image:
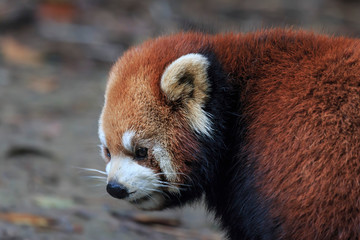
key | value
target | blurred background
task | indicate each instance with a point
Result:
(54, 60)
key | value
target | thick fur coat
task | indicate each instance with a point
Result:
(266, 125)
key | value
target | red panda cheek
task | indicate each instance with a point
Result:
(153, 163)
(185, 152)
(150, 162)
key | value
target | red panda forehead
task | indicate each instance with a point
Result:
(139, 70)
(123, 114)
(154, 55)
(132, 106)
(133, 96)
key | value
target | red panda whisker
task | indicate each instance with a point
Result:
(153, 190)
(178, 173)
(98, 178)
(169, 186)
(95, 177)
(164, 185)
(158, 190)
(165, 194)
(92, 170)
(101, 181)
(98, 185)
(149, 189)
(175, 183)
(167, 183)
(149, 196)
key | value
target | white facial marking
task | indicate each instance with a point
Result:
(126, 140)
(101, 133)
(140, 181)
(200, 121)
(164, 160)
(108, 166)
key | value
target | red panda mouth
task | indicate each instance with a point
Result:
(141, 200)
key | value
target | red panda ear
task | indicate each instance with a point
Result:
(185, 81)
(186, 77)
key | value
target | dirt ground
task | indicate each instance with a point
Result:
(54, 60)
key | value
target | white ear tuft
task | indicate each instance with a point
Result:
(185, 81)
(183, 75)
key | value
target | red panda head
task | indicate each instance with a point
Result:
(159, 121)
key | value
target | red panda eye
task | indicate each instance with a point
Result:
(141, 153)
(107, 153)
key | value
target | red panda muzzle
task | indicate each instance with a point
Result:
(117, 190)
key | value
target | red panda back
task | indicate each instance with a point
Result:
(300, 99)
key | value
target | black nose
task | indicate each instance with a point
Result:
(117, 190)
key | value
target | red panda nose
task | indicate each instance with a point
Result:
(117, 190)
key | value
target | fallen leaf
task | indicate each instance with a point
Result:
(53, 202)
(16, 52)
(28, 220)
(40, 222)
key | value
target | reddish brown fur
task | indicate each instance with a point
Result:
(300, 96)
(304, 129)
(145, 106)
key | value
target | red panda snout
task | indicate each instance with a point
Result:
(139, 184)
(133, 175)
(117, 190)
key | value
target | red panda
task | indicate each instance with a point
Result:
(266, 125)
